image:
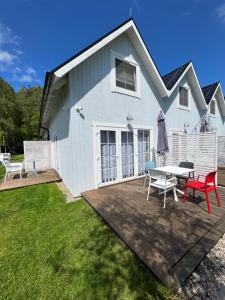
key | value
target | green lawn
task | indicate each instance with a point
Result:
(15, 158)
(53, 250)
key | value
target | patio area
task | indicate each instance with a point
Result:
(15, 182)
(172, 241)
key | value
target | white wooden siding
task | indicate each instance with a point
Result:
(90, 88)
(221, 150)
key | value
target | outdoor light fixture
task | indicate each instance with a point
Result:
(186, 125)
(79, 109)
(129, 118)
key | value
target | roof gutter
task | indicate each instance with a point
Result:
(47, 85)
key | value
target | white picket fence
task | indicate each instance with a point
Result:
(221, 150)
(199, 148)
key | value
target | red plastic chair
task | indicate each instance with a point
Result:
(205, 186)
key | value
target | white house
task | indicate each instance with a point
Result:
(216, 109)
(100, 109)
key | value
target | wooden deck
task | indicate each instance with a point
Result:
(171, 241)
(46, 176)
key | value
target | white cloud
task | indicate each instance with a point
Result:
(11, 59)
(6, 57)
(7, 37)
(27, 75)
(17, 51)
(220, 13)
(16, 70)
(25, 78)
(31, 71)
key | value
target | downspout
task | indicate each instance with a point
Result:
(46, 129)
(48, 81)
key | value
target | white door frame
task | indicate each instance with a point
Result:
(117, 127)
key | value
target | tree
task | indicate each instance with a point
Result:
(29, 102)
(19, 115)
(7, 113)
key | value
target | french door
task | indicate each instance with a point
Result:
(127, 149)
(144, 153)
(121, 154)
(108, 156)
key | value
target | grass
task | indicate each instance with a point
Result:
(15, 158)
(53, 250)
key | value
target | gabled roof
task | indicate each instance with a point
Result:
(171, 78)
(209, 91)
(214, 90)
(165, 85)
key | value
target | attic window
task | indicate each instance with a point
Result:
(212, 107)
(183, 97)
(126, 75)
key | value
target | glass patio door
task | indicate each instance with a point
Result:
(108, 156)
(127, 153)
(143, 150)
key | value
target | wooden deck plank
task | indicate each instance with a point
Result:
(46, 176)
(164, 239)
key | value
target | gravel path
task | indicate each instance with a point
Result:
(208, 280)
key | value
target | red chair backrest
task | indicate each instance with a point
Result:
(211, 177)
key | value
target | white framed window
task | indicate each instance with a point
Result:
(212, 107)
(125, 75)
(184, 101)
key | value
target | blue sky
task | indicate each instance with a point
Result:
(37, 35)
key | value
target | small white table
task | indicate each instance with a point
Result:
(177, 171)
(34, 171)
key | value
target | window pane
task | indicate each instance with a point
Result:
(125, 75)
(103, 136)
(183, 96)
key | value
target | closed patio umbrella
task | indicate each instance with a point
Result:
(162, 144)
(205, 124)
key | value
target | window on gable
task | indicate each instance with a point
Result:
(212, 107)
(126, 75)
(183, 96)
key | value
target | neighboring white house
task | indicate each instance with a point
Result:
(216, 109)
(100, 109)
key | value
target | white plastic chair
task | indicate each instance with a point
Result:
(149, 165)
(11, 167)
(5, 156)
(162, 182)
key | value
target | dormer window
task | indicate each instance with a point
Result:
(184, 97)
(125, 75)
(212, 107)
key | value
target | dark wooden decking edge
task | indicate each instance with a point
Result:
(160, 275)
(194, 257)
(21, 187)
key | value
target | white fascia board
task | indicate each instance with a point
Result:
(220, 98)
(128, 26)
(150, 65)
(197, 87)
(83, 56)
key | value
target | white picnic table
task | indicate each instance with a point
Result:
(174, 170)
